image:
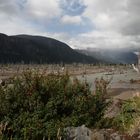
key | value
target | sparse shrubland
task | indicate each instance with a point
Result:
(38, 107)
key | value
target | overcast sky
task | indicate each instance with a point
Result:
(79, 23)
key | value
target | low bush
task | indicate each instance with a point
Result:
(36, 107)
(129, 116)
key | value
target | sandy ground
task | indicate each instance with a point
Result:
(124, 94)
(120, 86)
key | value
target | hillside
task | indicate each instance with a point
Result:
(38, 49)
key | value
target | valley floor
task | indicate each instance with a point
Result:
(124, 81)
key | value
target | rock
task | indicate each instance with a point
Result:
(115, 136)
(78, 133)
(84, 133)
(98, 135)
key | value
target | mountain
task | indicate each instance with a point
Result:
(115, 56)
(38, 49)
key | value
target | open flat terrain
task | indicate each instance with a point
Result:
(124, 81)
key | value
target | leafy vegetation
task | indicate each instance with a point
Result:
(34, 106)
(129, 115)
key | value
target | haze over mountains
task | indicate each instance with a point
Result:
(38, 49)
(115, 56)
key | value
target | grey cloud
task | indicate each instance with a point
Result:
(123, 15)
(72, 7)
(132, 26)
(116, 22)
(8, 7)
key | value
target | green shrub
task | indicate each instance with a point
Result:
(128, 115)
(38, 107)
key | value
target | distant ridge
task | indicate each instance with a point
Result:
(38, 49)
